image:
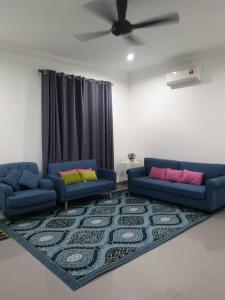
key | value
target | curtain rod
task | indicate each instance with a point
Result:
(89, 79)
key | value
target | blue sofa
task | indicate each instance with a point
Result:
(105, 184)
(18, 202)
(208, 197)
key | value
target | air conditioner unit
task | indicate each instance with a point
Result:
(183, 78)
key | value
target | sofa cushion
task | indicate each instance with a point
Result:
(55, 168)
(88, 176)
(61, 174)
(30, 198)
(71, 178)
(157, 173)
(192, 177)
(209, 170)
(184, 190)
(174, 175)
(29, 179)
(89, 187)
(160, 163)
(148, 183)
(13, 178)
(6, 168)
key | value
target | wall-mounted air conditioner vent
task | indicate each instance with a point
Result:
(183, 78)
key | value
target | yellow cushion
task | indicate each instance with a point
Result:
(71, 178)
(88, 176)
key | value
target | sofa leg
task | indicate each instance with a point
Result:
(66, 205)
(110, 195)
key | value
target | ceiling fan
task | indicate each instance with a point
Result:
(120, 25)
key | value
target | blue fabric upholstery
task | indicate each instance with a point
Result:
(106, 174)
(59, 187)
(209, 170)
(180, 200)
(33, 208)
(82, 189)
(12, 178)
(147, 182)
(105, 183)
(185, 190)
(46, 184)
(29, 179)
(159, 163)
(6, 168)
(15, 203)
(134, 173)
(5, 192)
(30, 198)
(209, 196)
(215, 192)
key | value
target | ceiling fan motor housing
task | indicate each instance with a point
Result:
(121, 28)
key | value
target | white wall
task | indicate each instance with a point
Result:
(20, 104)
(183, 124)
(150, 119)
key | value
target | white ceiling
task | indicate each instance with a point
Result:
(49, 25)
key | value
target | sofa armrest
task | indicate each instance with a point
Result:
(46, 184)
(58, 186)
(136, 172)
(215, 193)
(107, 174)
(5, 192)
(217, 182)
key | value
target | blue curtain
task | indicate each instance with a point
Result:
(77, 121)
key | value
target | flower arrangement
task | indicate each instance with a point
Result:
(131, 156)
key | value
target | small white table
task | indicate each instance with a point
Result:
(127, 164)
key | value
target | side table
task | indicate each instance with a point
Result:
(126, 164)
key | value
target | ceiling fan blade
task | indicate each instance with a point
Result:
(102, 9)
(134, 40)
(85, 37)
(121, 9)
(161, 20)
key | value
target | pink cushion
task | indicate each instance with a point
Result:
(174, 175)
(83, 170)
(192, 177)
(62, 173)
(157, 173)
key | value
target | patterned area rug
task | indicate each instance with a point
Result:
(95, 236)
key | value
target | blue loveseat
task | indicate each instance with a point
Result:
(25, 200)
(105, 184)
(208, 197)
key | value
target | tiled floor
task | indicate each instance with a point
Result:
(190, 266)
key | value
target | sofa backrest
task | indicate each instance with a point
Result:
(6, 168)
(209, 170)
(55, 168)
(160, 163)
